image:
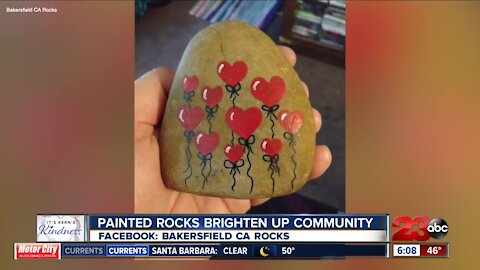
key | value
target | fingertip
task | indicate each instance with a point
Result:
(305, 87)
(289, 54)
(321, 162)
(317, 118)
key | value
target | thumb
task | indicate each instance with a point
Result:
(151, 91)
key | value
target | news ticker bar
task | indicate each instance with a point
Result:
(213, 251)
(213, 228)
(229, 251)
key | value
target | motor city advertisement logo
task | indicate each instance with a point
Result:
(37, 251)
(420, 228)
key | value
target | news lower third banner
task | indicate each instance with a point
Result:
(208, 236)
(238, 229)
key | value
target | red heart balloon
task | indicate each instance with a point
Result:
(243, 123)
(206, 143)
(190, 118)
(234, 153)
(232, 75)
(291, 121)
(271, 147)
(190, 83)
(212, 96)
(269, 93)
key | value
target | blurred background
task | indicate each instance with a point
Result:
(66, 110)
(315, 29)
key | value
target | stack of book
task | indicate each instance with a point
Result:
(322, 21)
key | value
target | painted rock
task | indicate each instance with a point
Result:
(237, 123)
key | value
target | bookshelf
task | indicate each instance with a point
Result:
(316, 28)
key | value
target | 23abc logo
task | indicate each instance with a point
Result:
(436, 228)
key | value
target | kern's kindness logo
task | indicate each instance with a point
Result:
(60, 228)
(420, 228)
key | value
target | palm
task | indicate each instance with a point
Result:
(151, 195)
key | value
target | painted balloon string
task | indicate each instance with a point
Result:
(233, 90)
(247, 145)
(292, 138)
(188, 154)
(188, 97)
(204, 162)
(234, 169)
(271, 115)
(210, 115)
(272, 167)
